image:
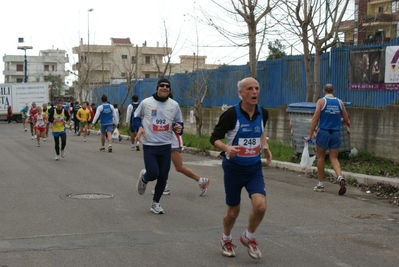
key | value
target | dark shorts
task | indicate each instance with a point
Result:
(328, 139)
(236, 177)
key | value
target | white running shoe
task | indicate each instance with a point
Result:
(56, 157)
(38, 144)
(84, 139)
(252, 246)
(203, 184)
(156, 208)
(44, 139)
(141, 186)
(33, 137)
(228, 248)
(63, 153)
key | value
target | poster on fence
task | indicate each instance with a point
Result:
(374, 68)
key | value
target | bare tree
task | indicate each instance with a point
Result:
(316, 23)
(253, 14)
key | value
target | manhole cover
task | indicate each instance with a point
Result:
(90, 196)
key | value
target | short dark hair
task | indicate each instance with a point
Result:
(135, 98)
(104, 98)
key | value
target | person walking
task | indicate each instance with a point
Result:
(84, 116)
(330, 113)
(24, 112)
(118, 112)
(45, 111)
(31, 112)
(129, 120)
(243, 126)
(155, 120)
(58, 117)
(76, 121)
(9, 114)
(108, 117)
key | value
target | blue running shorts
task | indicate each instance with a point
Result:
(327, 140)
(237, 176)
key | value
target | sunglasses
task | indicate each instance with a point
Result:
(164, 85)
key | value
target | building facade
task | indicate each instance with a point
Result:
(121, 61)
(48, 62)
(375, 21)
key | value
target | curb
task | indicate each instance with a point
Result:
(361, 178)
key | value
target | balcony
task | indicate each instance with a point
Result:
(376, 18)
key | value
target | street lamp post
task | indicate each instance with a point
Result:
(25, 61)
(88, 48)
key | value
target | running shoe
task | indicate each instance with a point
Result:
(137, 148)
(26, 129)
(120, 138)
(166, 191)
(203, 184)
(102, 149)
(44, 139)
(32, 137)
(342, 188)
(84, 139)
(35, 136)
(132, 147)
(141, 185)
(109, 148)
(156, 208)
(63, 153)
(227, 248)
(252, 246)
(56, 157)
(38, 144)
(318, 188)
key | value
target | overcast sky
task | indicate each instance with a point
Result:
(46, 24)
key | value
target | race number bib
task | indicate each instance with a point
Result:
(160, 125)
(249, 147)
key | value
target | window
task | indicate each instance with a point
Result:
(147, 75)
(20, 80)
(53, 67)
(20, 67)
(380, 9)
(133, 60)
(124, 56)
(147, 60)
(46, 67)
(123, 74)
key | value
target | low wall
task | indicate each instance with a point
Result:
(373, 130)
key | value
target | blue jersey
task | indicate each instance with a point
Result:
(247, 135)
(330, 116)
(106, 115)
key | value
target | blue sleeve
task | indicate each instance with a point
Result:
(136, 124)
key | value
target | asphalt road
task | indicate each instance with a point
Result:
(110, 224)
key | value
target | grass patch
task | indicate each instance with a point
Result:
(364, 162)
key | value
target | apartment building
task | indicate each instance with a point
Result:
(122, 61)
(374, 21)
(48, 62)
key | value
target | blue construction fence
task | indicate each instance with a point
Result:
(282, 82)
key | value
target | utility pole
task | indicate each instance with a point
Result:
(25, 61)
(88, 49)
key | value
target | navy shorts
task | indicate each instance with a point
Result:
(326, 139)
(236, 177)
(106, 128)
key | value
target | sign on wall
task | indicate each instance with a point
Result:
(374, 68)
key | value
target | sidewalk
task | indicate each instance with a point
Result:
(361, 178)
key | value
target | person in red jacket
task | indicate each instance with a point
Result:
(9, 114)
